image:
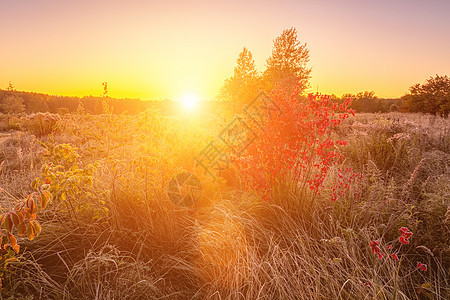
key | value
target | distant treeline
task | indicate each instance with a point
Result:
(16, 102)
(12, 101)
(369, 103)
(31, 102)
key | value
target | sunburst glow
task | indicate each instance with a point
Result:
(190, 101)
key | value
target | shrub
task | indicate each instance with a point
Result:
(295, 151)
(22, 218)
(41, 124)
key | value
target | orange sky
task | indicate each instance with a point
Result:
(165, 49)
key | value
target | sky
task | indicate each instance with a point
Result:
(167, 49)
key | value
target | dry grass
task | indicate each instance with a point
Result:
(231, 244)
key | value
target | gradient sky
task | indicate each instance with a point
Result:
(165, 49)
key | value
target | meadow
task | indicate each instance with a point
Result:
(372, 223)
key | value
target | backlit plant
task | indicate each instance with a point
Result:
(21, 220)
(296, 150)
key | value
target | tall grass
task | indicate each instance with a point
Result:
(232, 244)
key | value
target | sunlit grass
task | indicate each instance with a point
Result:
(231, 244)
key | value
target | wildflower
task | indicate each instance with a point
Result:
(422, 267)
(394, 256)
(374, 245)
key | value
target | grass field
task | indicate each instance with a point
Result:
(111, 232)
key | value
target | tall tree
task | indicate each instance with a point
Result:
(241, 87)
(10, 87)
(431, 97)
(287, 66)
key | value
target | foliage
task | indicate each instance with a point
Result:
(431, 97)
(41, 124)
(287, 66)
(22, 218)
(12, 105)
(241, 87)
(70, 183)
(295, 149)
(363, 101)
(368, 102)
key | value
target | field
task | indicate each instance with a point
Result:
(110, 230)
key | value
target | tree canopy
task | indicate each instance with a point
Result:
(240, 87)
(431, 97)
(287, 66)
(11, 103)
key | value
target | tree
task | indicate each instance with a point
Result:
(11, 104)
(431, 97)
(10, 87)
(364, 102)
(35, 103)
(242, 86)
(287, 66)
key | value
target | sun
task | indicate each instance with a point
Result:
(190, 101)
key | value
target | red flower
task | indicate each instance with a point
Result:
(394, 256)
(422, 267)
(389, 247)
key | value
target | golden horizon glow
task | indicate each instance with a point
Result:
(157, 50)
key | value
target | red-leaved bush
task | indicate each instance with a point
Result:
(295, 149)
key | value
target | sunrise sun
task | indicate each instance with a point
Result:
(190, 101)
